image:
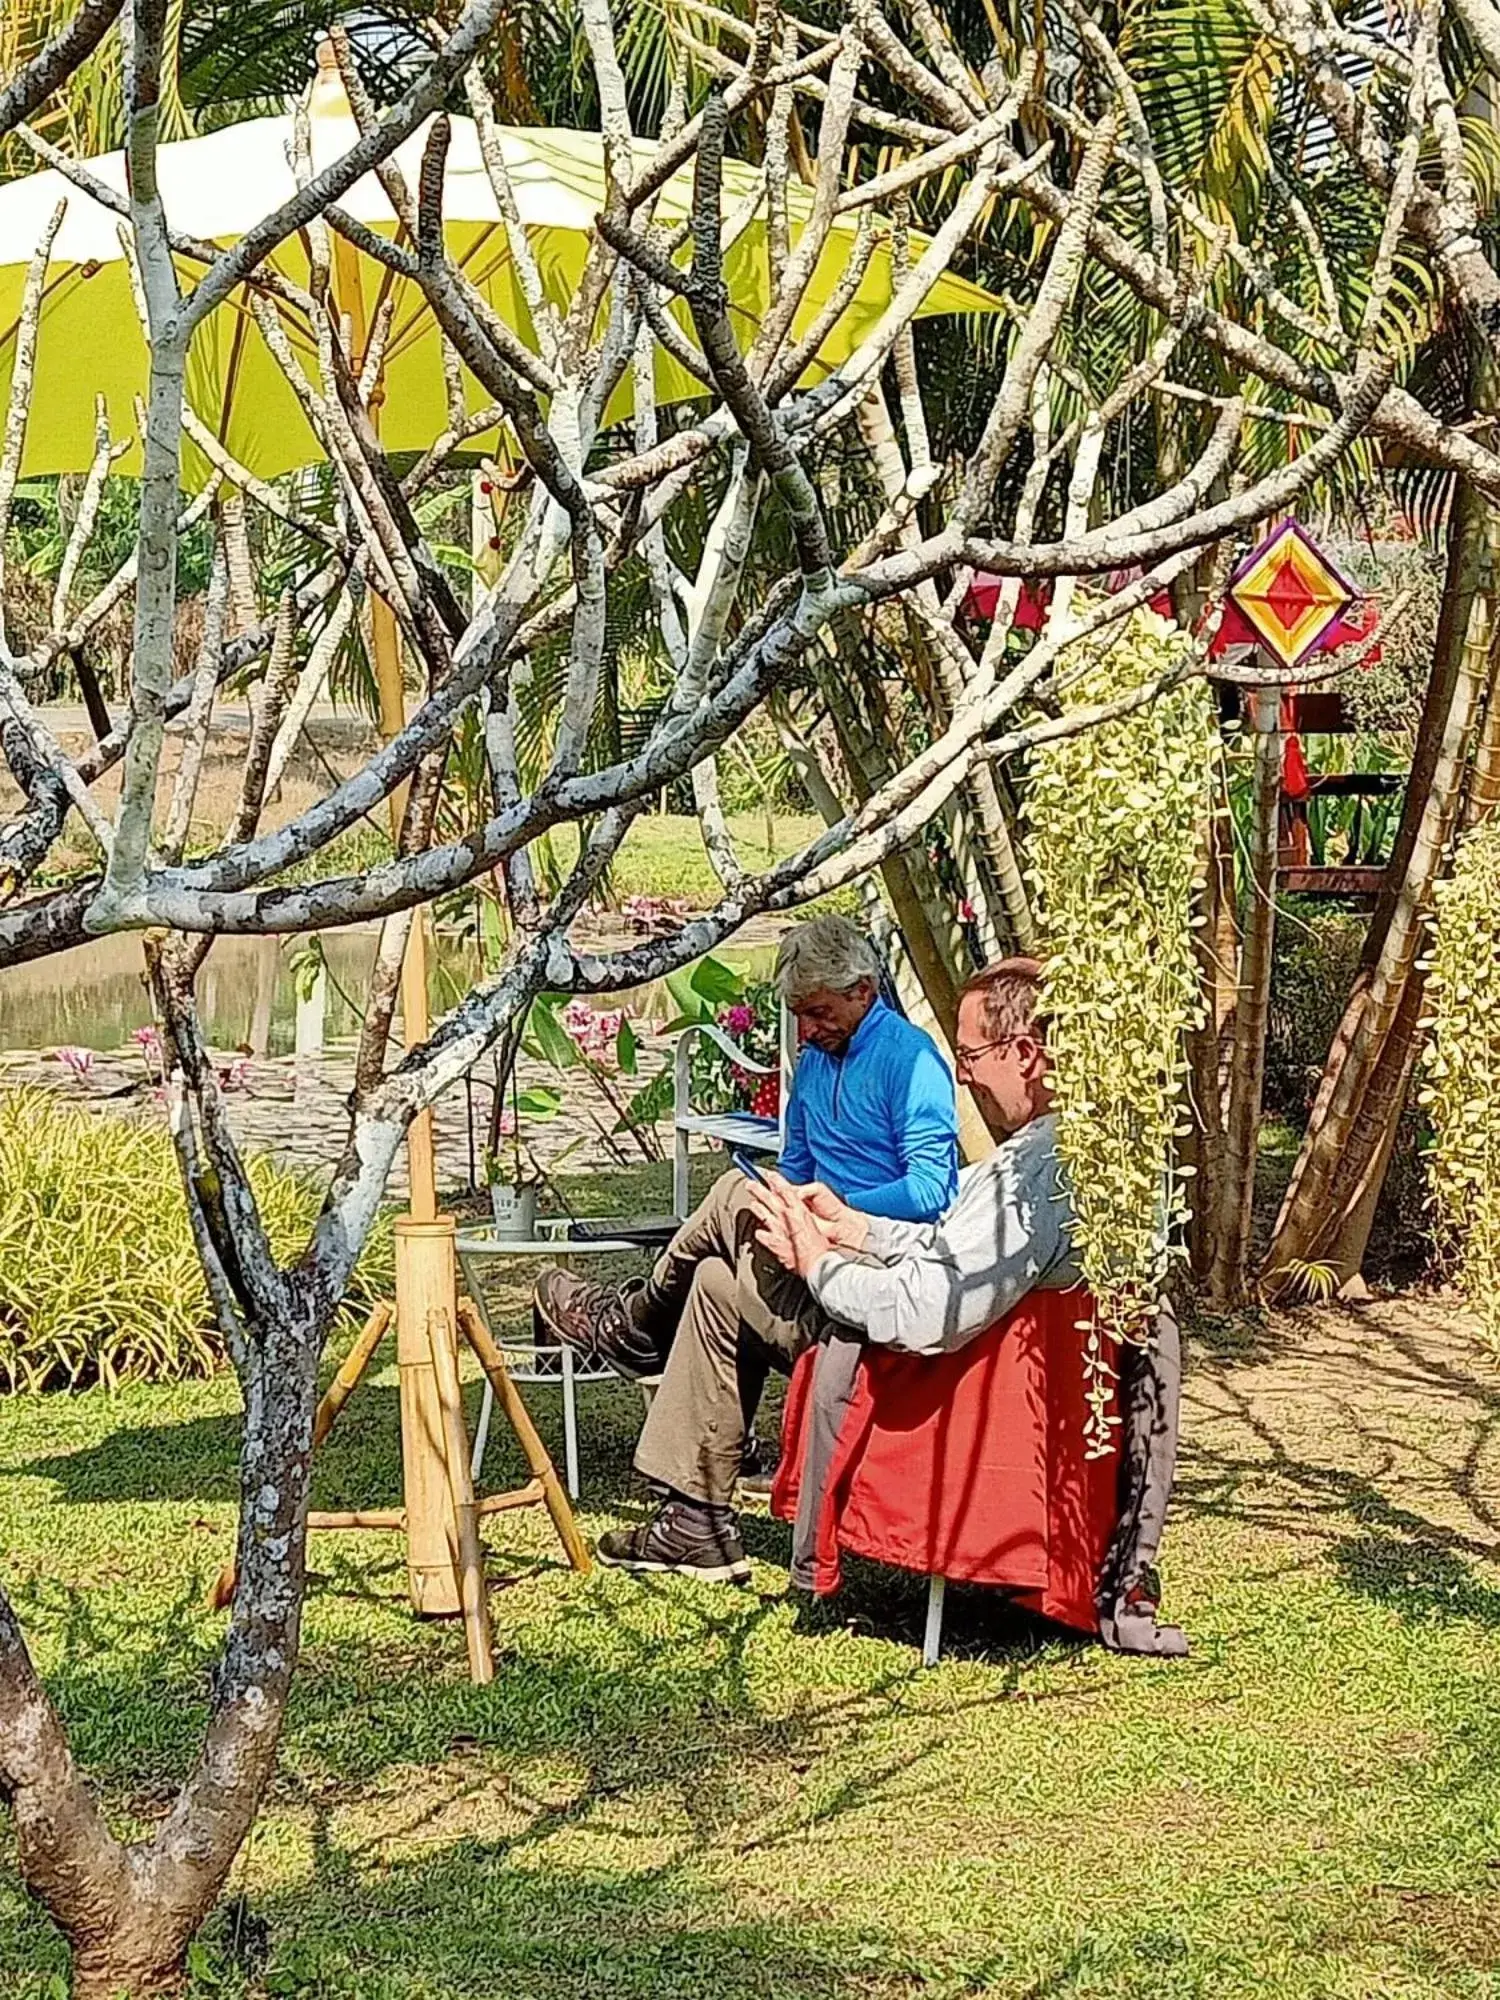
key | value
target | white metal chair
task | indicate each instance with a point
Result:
(739, 1129)
(526, 1361)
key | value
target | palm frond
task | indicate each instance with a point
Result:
(1209, 82)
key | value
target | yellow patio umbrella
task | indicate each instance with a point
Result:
(215, 187)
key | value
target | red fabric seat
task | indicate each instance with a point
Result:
(969, 1466)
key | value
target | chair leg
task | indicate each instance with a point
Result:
(570, 1424)
(932, 1638)
(482, 1433)
(680, 1180)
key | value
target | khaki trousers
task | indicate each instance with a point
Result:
(738, 1314)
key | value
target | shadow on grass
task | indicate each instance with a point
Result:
(1283, 1473)
(1419, 1580)
(1230, 1340)
(196, 1460)
(471, 1923)
(649, 1715)
(631, 1675)
(677, 1767)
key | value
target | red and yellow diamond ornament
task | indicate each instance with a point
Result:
(1290, 593)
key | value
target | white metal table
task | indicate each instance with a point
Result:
(528, 1362)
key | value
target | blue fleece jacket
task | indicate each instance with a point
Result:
(877, 1124)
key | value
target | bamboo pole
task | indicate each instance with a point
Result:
(468, 1555)
(426, 1283)
(493, 1363)
(433, 1282)
(361, 1517)
(385, 645)
(347, 1380)
(532, 1494)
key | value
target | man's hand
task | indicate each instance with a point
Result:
(845, 1227)
(789, 1229)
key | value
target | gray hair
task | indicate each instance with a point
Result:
(828, 951)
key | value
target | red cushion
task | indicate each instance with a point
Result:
(969, 1465)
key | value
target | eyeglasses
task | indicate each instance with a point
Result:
(966, 1058)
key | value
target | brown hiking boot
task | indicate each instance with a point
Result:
(679, 1540)
(596, 1321)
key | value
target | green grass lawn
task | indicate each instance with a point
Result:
(663, 855)
(673, 1792)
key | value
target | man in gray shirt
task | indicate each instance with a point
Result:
(809, 1264)
(931, 1287)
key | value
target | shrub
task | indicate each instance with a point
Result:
(1461, 1090)
(1312, 975)
(99, 1279)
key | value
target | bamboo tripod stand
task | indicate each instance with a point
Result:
(441, 1515)
(444, 1558)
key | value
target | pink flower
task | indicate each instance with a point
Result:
(739, 1019)
(578, 1018)
(593, 1035)
(79, 1061)
(966, 910)
(507, 1124)
(147, 1039)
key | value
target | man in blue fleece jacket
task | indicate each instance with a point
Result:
(872, 1115)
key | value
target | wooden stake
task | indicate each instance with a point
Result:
(426, 1283)
(468, 1555)
(537, 1458)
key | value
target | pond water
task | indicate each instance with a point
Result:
(95, 996)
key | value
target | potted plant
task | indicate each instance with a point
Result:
(511, 1171)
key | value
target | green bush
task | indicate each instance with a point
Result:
(1114, 816)
(1312, 975)
(99, 1279)
(1461, 1081)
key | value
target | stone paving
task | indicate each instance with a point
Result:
(297, 1111)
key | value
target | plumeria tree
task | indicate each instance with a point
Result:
(819, 483)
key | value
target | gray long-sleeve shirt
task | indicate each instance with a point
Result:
(930, 1287)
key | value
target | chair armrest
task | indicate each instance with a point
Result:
(682, 1081)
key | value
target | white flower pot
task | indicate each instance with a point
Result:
(515, 1211)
